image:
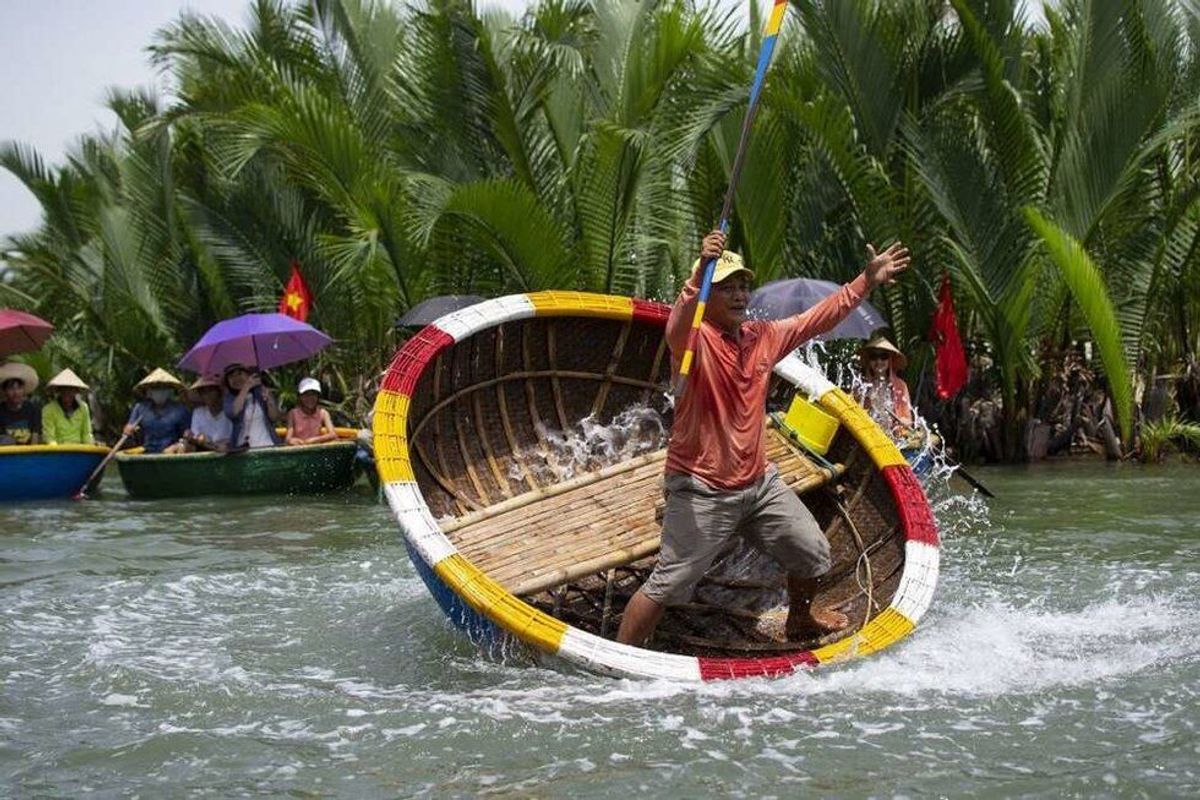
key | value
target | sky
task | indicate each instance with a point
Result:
(61, 56)
(59, 59)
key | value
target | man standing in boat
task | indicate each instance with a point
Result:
(718, 482)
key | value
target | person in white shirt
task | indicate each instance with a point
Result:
(210, 428)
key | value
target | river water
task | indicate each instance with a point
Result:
(286, 646)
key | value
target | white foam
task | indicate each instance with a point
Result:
(999, 649)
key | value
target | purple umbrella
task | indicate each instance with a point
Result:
(779, 299)
(259, 340)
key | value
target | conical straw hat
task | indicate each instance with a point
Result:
(23, 372)
(205, 382)
(899, 360)
(159, 377)
(67, 379)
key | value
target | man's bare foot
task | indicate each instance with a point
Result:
(813, 622)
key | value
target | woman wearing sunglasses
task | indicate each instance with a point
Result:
(884, 394)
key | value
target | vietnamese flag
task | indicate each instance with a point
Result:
(950, 358)
(297, 299)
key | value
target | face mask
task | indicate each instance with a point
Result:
(159, 396)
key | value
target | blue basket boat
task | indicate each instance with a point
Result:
(44, 472)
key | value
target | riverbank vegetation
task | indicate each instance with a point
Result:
(404, 151)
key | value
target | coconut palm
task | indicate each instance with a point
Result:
(399, 151)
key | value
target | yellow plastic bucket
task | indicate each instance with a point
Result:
(813, 427)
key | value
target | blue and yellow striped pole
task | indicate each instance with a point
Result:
(770, 34)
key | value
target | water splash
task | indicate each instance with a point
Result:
(590, 445)
(957, 512)
(156, 650)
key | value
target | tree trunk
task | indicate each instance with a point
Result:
(1112, 445)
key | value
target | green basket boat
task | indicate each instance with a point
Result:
(306, 469)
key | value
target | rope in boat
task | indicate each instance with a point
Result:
(863, 559)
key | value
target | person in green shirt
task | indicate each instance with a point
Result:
(66, 419)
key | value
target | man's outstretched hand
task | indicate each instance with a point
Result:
(882, 268)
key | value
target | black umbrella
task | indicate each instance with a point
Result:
(434, 308)
(785, 298)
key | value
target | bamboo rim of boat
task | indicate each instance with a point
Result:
(31, 449)
(345, 436)
(481, 604)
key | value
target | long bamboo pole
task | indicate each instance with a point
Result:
(770, 34)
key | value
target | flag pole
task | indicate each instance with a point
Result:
(770, 34)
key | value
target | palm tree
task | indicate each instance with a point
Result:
(399, 151)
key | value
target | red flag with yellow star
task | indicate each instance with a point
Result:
(297, 299)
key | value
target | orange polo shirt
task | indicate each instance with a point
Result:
(719, 434)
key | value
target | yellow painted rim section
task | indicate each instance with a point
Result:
(494, 601)
(886, 629)
(33, 449)
(882, 450)
(391, 449)
(581, 304)
(343, 433)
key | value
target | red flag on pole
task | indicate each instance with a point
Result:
(297, 299)
(950, 358)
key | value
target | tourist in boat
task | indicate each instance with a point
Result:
(883, 393)
(66, 419)
(251, 407)
(160, 417)
(718, 481)
(308, 423)
(210, 429)
(20, 417)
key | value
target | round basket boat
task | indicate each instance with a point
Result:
(43, 472)
(519, 450)
(303, 469)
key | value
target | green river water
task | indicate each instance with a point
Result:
(286, 647)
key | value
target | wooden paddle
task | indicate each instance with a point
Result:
(82, 493)
(961, 471)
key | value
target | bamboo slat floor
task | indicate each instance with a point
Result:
(547, 537)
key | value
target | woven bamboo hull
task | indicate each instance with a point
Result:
(308, 469)
(42, 472)
(468, 430)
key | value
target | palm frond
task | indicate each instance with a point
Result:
(1087, 287)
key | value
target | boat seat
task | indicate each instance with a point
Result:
(604, 519)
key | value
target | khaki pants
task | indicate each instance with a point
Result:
(699, 521)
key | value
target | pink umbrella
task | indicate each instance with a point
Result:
(257, 340)
(21, 332)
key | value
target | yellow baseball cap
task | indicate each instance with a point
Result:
(728, 264)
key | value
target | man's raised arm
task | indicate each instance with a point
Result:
(881, 268)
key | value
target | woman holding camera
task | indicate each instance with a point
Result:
(251, 407)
